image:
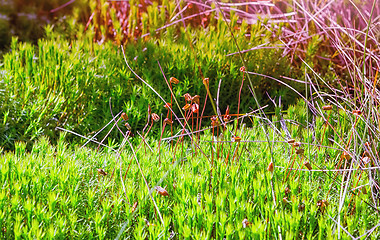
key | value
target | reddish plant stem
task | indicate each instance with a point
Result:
(212, 149)
(325, 127)
(291, 166)
(171, 114)
(192, 130)
(183, 130)
(235, 153)
(238, 109)
(200, 121)
(159, 143)
(228, 154)
(300, 167)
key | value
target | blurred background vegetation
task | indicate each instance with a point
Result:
(27, 19)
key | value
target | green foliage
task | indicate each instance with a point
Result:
(70, 83)
(57, 192)
(228, 190)
(53, 84)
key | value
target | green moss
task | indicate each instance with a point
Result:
(69, 84)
